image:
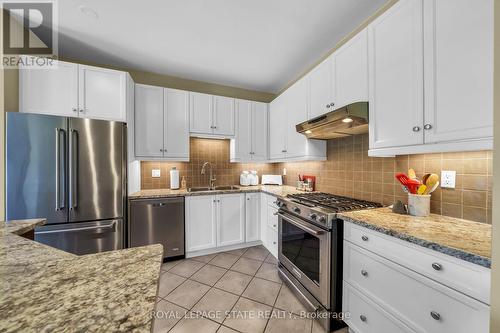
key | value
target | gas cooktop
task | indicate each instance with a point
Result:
(335, 203)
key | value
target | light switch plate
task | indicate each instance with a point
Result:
(448, 179)
(155, 173)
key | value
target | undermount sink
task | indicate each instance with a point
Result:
(216, 188)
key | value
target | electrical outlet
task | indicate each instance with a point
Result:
(448, 179)
(284, 171)
(155, 173)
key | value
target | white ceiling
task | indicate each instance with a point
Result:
(253, 44)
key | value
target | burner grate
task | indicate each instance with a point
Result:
(336, 203)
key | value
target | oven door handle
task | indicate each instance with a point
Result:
(296, 222)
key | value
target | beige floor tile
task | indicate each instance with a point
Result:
(224, 260)
(170, 264)
(271, 259)
(257, 253)
(166, 316)
(187, 268)
(237, 252)
(247, 266)
(224, 329)
(248, 316)
(209, 274)
(206, 258)
(187, 294)
(169, 282)
(269, 272)
(281, 321)
(233, 282)
(195, 325)
(288, 302)
(215, 304)
(263, 291)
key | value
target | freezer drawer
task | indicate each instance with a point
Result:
(84, 237)
(158, 221)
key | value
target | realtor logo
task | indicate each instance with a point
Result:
(29, 28)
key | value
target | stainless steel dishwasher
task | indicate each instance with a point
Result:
(158, 221)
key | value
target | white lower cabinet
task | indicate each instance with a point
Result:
(201, 222)
(269, 223)
(230, 219)
(375, 286)
(252, 217)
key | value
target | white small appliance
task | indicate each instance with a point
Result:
(272, 180)
(245, 178)
(254, 178)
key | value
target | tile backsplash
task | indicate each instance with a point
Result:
(351, 172)
(202, 150)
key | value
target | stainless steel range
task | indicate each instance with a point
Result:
(310, 250)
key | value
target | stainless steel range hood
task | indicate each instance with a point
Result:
(349, 120)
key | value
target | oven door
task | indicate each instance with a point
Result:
(305, 250)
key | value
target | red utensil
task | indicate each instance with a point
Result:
(411, 184)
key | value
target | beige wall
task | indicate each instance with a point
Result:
(495, 277)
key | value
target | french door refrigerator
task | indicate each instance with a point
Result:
(72, 172)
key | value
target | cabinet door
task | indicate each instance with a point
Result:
(259, 131)
(296, 111)
(231, 219)
(201, 225)
(148, 121)
(263, 219)
(49, 91)
(223, 115)
(243, 137)
(320, 89)
(458, 37)
(102, 93)
(176, 123)
(252, 217)
(200, 113)
(395, 53)
(277, 129)
(351, 71)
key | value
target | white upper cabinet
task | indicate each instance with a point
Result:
(74, 90)
(277, 129)
(102, 93)
(396, 76)
(250, 141)
(458, 37)
(321, 89)
(431, 77)
(211, 116)
(296, 111)
(49, 91)
(148, 121)
(161, 123)
(351, 71)
(223, 116)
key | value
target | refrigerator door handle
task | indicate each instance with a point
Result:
(59, 131)
(104, 228)
(73, 169)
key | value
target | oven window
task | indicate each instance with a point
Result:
(302, 249)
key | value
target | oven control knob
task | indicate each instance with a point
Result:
(313, 216)
(296, 210)
(322, 219)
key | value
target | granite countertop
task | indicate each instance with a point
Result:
(46, 289)
(466, 240)
(275, 190)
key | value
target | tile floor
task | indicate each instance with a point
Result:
(195, 294)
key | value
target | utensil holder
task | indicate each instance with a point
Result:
(419, 205)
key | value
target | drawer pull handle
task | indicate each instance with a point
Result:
(364, 238)
(437, 266)
(274, 243)
(435, 315)
(364, 273)
(274, 225)
(363, 318)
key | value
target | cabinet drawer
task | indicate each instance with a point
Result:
(453, 272)
(272, 219)
(271, 201)
(424, 305)
(366, 316)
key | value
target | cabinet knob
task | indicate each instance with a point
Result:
(435, 315)
(274, 243)
(364, 273)
(437, 266)
(332, 104)
(328, 106)
(82, 110)
(427, 127)
(362, 318)
(75, 110)
(364, 238)
(274, 225)
(416, 129)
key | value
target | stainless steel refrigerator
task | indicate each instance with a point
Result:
(71, 171)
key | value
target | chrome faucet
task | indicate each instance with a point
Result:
(211, 182)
